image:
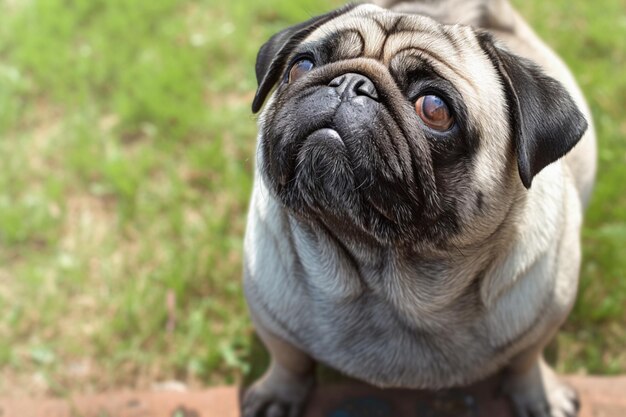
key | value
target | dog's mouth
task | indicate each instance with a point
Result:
(328, 131)
(324, 144)
(327, 134)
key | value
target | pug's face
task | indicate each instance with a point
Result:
(395, 128)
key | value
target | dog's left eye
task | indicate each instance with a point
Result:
(434, 112)
(299, 69)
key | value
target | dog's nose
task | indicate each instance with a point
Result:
(352, 85)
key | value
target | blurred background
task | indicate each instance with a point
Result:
(126, 160)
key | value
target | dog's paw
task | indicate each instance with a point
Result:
(559, 401)
(270, 397)
(542, 394)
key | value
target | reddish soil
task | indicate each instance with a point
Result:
(601, 397)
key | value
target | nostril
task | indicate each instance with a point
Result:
(366, 88)
(337, 81)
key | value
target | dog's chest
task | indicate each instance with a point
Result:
(383, 335)
(383, 322)
(368, 336)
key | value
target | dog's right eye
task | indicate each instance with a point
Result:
(299, 69)
(434, 112)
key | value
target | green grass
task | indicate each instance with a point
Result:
(127, 146)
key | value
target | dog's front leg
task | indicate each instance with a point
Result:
(284, 388)
(535, 390)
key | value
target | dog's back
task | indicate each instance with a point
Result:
(488, 14)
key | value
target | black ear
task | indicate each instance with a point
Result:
(273, 55)
(546, 122)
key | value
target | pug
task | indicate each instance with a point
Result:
(421, 174)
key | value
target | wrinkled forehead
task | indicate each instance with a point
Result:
(393, 38)
(376, 32)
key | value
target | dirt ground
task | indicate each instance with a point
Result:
(600, 397)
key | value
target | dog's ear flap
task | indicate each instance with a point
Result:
(546, 121)
(273, 55)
